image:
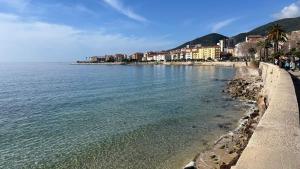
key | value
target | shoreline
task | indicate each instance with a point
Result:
(188, 63)
(245, 86)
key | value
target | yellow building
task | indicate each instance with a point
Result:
(204, 53)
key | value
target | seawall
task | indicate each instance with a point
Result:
(276, 141)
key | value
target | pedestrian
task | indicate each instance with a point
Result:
(280, 63)
(292, 65)
(287, 65)
(276, 61)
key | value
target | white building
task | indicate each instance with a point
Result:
(162, 56)
(175, 55)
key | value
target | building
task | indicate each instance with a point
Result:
(175, 54)
(293, 40)
(93, 59)
(188, 54)
(254, 38)
(182, 55)
(109, 58)
(120, 57)
(162, 56)
(137, 57)
(222, 45)
(195, 53)
(229, 50)
(204, 53)
(149, 56)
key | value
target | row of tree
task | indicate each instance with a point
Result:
(275, 36)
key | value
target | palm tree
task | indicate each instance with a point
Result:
(260, 46)
(276, 34)
(252, 52)
(267, 44)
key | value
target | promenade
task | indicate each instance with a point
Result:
(276, 140)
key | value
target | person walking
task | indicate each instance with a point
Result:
(287, 65)
(292, 66)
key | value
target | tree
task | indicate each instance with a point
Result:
(252, 52)
(260, 46)
(267, 44)
(276, 34)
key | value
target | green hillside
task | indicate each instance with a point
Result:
(207, 40)
(288, 24)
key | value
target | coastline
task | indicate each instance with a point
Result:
(245, 86)
(226, 64)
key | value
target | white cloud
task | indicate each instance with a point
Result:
(117, 5)
(219, 25)
(290, 11)
(23, 40)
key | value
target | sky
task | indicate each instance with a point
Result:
(70, 30)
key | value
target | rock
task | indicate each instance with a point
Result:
(222, 146)
(254, 114)
(246, 117)
(225, 125)
(213, 156)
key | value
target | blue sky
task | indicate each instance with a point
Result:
(68, 30)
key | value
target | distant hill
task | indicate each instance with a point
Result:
(288, 24)
(207, 40)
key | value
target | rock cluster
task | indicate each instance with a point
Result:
(228, 148)
(245, 88)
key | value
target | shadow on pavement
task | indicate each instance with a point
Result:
(296, 80)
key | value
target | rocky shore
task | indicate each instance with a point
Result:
(225, 152)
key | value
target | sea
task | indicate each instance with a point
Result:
(59, 115)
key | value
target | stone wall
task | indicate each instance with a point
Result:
(275, 144)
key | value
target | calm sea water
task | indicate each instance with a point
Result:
(56, 115)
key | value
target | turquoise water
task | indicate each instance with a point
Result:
(56, 115)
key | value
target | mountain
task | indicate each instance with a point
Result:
(288, 24)
(207, 40)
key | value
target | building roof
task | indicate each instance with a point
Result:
(254, 36)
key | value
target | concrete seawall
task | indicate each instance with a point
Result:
(275, 144)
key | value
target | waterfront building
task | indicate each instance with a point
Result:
(175, 55)
(182, 55)
(195, 54)
(137, 57)
(109, 58)
(222, 45)
(149, 56)
(120, 57)
(162, 56)
(93, 59)
(188, 54)
(212, 52)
